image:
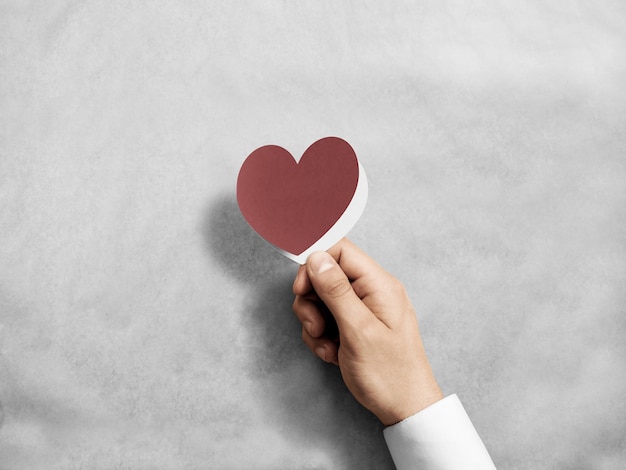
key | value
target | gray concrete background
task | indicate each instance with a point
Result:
(142, 323)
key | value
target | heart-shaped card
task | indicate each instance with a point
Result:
(302, 206)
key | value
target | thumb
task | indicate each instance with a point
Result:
(334, 289)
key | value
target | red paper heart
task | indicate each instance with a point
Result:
(293, 204)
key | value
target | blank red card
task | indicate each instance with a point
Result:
(306, 205)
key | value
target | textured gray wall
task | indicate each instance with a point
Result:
(143, 324)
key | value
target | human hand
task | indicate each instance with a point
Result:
(379, 349)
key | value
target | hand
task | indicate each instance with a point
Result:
(379, 349)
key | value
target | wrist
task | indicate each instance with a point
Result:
(421, 397)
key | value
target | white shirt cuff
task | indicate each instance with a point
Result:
(440, 437)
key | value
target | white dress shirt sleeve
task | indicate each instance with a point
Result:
(440, 437)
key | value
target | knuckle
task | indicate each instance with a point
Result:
(368, 330)
(397, 290)
(397, 287)
(337, 288)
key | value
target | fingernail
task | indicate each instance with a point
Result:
(308, 326)
(320, 262)
(321, 352)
